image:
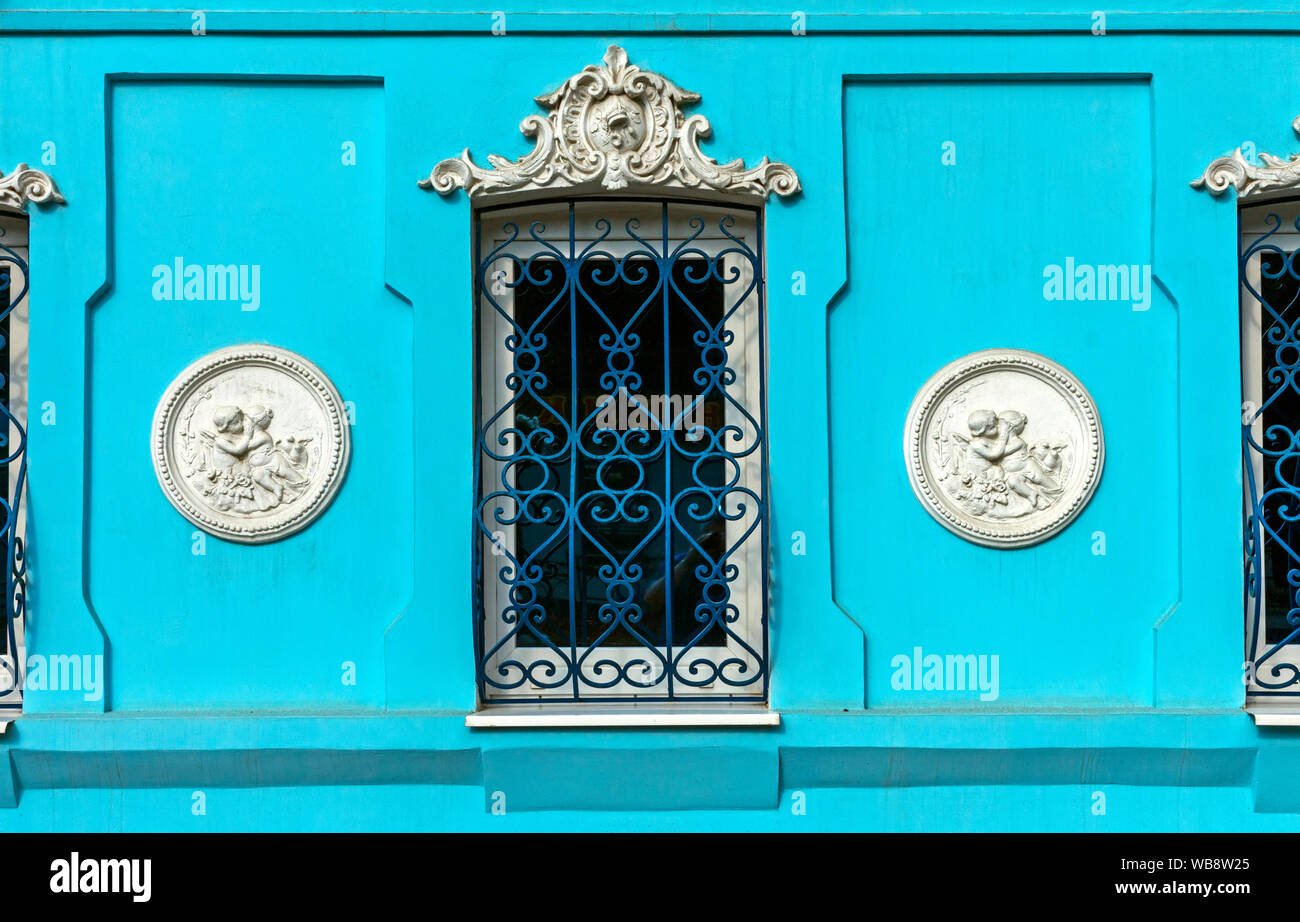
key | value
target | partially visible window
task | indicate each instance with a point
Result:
(14, 314)
(620, 453)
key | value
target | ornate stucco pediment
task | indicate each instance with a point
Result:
(1248, 178)
(25, 185)
(613, 127)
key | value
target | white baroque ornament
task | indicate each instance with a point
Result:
(251, 443)
(613, 127)
(25, 185)
(1003, 447)
(1250, 179)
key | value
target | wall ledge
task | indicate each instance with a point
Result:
(549, 768)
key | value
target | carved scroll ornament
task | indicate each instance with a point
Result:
(613, 127)
(1250, 179)
(25, 185)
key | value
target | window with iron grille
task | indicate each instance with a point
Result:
(620, 525)
(1270, 361)
(1268, 213)
(13, 439)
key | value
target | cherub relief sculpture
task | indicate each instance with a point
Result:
(242, 468)
(994, 471)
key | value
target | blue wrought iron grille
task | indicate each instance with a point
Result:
(1270, 273)
(620, 526)
(13, 475)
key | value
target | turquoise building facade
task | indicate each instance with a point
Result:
(947, 156)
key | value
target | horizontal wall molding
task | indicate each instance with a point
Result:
(244, 768)
(745, 768)
(707, 777)
(891, 768)
(308, 21)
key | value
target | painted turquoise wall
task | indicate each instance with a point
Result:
(1119, 672)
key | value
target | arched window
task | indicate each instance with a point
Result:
(620, 524)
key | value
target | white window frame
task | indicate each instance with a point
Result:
(744, 356)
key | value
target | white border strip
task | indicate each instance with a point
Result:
(498, 717)
(1269, 714)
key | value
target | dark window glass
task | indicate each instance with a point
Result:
(664, 328)
(1281, 424)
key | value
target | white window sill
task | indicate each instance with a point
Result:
(535, 716)
(1275, 713)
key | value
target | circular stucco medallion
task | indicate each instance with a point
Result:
(1003, 447)
(250, 443)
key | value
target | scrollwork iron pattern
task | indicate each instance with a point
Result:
(612, 562)
(1271, 445)
(13, 462)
